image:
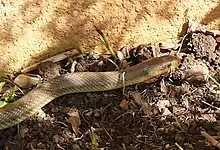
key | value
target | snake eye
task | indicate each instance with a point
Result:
(169, 65)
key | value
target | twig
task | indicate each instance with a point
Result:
(181, 44)
(213, 79)
(56, 58)
(213, 141)
(13, 83)
(59, 122)
(210, 105)
(190, 92)
(86, 133)
(123, 82)
(107, 132)
(180, 148)
(123, 146)
(60, 147)
(120, 117)
(113, 63)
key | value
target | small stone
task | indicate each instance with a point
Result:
(56, 138)
(66, 110)
(75, 147)
(126, 140)
(180, 138)
(54, 109)
(23, 132)
(88, 113)
(96, 56)
(160, 131)
(167, 146)
(49, 69)
(101, 63)
(96, 113)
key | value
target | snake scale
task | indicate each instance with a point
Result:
(79, 82)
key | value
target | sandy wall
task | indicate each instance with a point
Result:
(32, 30)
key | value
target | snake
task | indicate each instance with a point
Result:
(81, 82)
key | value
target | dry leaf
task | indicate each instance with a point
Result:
(169, 46)
(27, 81)
(74, 119)
(163, 87)
(193, 26)
(144, 106)
(213, 32)
(137, 98)
(212, 140)
(56, 58)
(124, 104)
(217, 38)
(197, 73)
(120, 56)
(168, 89)
(163, 107)
(23, 131)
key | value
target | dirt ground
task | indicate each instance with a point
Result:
(158, 115)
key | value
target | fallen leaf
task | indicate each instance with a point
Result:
(74, 119)
(120, 56)
(23, 131)
(144, 106)
(27, 81)
(194, 26)
(214, 32)
(1, 85)
(163, 87)
(163, 107)
(124, 104)
(169, 46)
(3, 103)
(67, 54)
(137, 98)
(197, 74)
(211, 139)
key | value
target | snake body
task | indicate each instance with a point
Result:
(79, 82)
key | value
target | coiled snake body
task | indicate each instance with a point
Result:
(79, 82)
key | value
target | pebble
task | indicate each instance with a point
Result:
(23, 132)
(96, 113)
(54, 109)
(56, 138)
(88, 113)
(96, 56)
(66, 110)
(75, 147)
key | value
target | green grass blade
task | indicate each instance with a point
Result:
(106, 43)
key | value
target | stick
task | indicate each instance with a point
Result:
(55, 58)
